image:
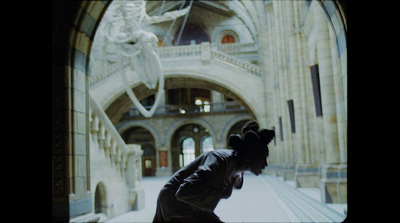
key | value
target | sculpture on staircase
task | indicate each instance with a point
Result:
(124, 22)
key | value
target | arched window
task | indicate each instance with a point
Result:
(187, 155)
(207, 144)
(228, 39)
(100, 203)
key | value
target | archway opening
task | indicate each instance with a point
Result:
(187, 152)
(228, 39)
(143, 137)
(198, 89)
(100, 202)
(206, 144)
(186, 144)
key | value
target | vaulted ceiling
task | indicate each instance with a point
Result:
(250, 13)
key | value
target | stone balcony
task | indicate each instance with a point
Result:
(204, 109)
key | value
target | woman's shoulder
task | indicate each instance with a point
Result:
(220, 154)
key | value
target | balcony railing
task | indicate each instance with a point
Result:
(189, 109)
(225, 54)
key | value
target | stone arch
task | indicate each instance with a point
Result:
(231, 123)
(225, 32)
(239, 90)
(100, 199)
(193, 79)
(74, 26)
(141, 123)
(181, 122)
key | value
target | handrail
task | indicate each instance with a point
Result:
(108, 137)
(235, 47)
(190, 109)
(195, 52)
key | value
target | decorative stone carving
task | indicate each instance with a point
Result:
(123, 26)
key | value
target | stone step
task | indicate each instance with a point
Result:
(304, 207)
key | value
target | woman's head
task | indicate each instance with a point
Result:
(252, 146)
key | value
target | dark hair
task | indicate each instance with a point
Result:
(251, 138)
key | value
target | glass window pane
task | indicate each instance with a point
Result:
(207, 144)
(188, 151)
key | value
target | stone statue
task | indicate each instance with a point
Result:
(123, 26)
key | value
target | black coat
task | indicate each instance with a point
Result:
(194, 191)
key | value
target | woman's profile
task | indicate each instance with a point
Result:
(193, 192)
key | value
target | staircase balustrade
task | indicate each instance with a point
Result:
(125, 159)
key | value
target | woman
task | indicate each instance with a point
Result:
(194, 191)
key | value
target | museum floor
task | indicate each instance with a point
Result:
(262, 199)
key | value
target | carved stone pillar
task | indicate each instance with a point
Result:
(205, 52)
(333, 181)
(134, 177)
(164, 162)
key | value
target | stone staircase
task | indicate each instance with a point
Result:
(116, 166)
(303, 208)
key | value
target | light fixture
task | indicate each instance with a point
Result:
(207, 107)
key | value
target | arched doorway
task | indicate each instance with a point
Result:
(143, 137)
(187, 152)
(148, 160)
(100, 201)
(186, 144)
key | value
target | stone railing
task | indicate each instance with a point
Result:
(190, 109)
(108, 138)
(125, 159)
(236, 63)
(205, 51)
(172, 52)
(235, 47)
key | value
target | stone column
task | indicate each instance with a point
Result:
(205, 53)
(197, 146)
(331, 183)
(339, 106)
(267, 68)
(219, 145)
(274, 167)
(306, 175)
(328, 100)
(295, 77)
(134, 176)
(216, 97)
(163, 155)
(283, 81)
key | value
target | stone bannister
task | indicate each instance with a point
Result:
(236, 63)
(124, 159)
(108, 138)
(206, 52)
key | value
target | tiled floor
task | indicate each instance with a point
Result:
(262, 199)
